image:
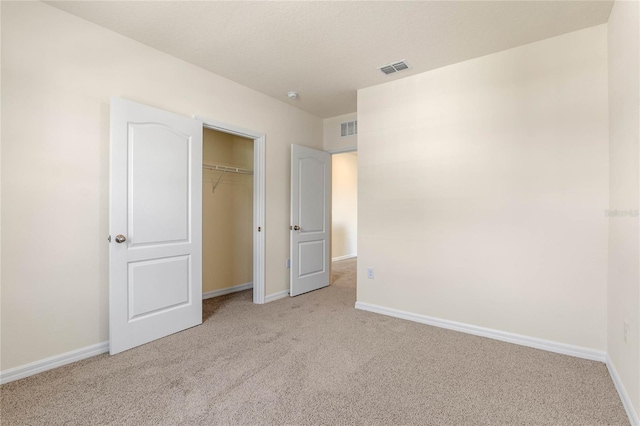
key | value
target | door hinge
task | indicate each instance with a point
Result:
(259, 228)
(109, 239)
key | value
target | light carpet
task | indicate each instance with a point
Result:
(314, 359)
(343, 273)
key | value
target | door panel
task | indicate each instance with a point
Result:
(157, 285)
(158, 207)
(310, 215)
(311, 255)
(155, 274)
(311, 195)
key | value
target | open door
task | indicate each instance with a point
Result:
(155, 224)
(310, 219)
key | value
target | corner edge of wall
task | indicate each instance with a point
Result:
(622, 392)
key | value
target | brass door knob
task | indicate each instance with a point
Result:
(120, 238)
(296, 228)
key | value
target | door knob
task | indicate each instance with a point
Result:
(296, 228)
(120, 238)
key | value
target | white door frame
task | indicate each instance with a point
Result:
(259, 142)
(342, 150)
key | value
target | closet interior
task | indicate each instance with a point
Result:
(227, 213)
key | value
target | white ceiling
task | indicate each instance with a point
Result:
(327, 50)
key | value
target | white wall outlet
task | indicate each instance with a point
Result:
(288, 263)
(625, 332)
(370, 274)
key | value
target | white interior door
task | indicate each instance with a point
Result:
(310, 215)
(155, 224)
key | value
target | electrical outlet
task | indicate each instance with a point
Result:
(370, 274)
(288, 263)
(625, 332)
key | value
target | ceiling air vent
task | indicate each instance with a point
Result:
(395, 67)
(349, 128)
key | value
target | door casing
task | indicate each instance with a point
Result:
(259, 147)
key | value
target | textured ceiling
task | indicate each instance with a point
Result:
(327, 50)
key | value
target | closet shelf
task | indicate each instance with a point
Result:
(224, 168)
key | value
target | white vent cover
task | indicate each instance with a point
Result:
(349, 128)
(395, 67)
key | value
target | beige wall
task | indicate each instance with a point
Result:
(332, 141)
(482, 187)
(227, 213)
(58, 73)
(624, 163)
(344, 205)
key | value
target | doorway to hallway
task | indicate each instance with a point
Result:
(344, 218)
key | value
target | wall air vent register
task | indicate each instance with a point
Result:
(349, 128)
(395, 67)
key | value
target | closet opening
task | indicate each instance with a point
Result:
(232, 211)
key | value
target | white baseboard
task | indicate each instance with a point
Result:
(276, 296)
(626, 402)
(79, 354)
(228, 290)
(52, 362)
(518, 339)
(345, 257)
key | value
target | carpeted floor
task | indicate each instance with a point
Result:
(343, 273)
(314, 359)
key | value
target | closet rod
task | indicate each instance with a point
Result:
(222, 168)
